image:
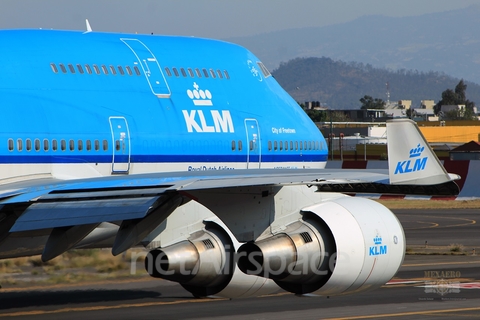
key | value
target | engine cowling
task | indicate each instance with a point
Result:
(341, 246)
(204, 265)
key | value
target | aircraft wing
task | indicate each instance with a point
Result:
(131, 200)
(51, 204)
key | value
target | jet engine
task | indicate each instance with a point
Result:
(340, 246)
(204, 265)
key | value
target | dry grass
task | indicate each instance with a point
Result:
(71, 267)
(430, 204)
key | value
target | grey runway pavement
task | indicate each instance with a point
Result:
(427, 287)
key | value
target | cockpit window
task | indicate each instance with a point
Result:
(264, 69)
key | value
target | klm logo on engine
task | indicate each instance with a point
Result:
(206, 120)
(378, 248)
(415, 162)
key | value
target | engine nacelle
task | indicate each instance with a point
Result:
(204, 265)
(341, 246)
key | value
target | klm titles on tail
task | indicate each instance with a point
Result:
(419, 164)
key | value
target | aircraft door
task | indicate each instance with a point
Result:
(121, 145)
(254, 150)
(150, 67)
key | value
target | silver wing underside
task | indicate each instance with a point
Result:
(50, 203)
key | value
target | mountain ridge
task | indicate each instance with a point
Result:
(444, 42)
(340, 84)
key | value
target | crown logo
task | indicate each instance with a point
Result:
(200, 97)
(377, 240)
(416, 152)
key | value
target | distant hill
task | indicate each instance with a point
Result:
(447, 42)
(340, 85)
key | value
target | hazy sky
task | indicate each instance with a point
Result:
(205, 18)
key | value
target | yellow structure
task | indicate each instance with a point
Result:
(458, 134)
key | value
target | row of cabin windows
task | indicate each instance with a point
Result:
(128, 70)
(294, 145)
(192, 73)
(95, 69)
(46, 144)
(234, 145)
(283, 145)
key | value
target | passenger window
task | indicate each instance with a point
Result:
(120, 70)
(197, 71)
(63, 145)
(227, 76)
(117, 145)
(129, 71)
(281, 145)
(205, 72)
(19, 144)
(175, 71)
(105, 145)
(167, 71)
(72, 145)
(72, 69)
(269, 145)
(240, 145)
(97, 70)
(37, 144)
(62, 67)
(46, 145)
(190, 72)
(112, 70)
(104, 68)
(54, 67)
(89, 70)
(291, 145)
(275, 145)
(10, 145)
(80, 69)
(212, 73)
(89, 145)
(137, 71)
(28, 144)
(233, 145)
(54, 145)
(97, 145)
(184, 73)
(80, 145)
(219, 73)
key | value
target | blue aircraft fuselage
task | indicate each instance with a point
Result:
(124, 101)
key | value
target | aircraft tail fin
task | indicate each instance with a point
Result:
(410, 158)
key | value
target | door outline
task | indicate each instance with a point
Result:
(150, 67)
(254, 144)
(120, 145)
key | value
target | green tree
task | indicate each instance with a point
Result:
(317, 115)
(370, 103)
(456, 97)
(338, 116)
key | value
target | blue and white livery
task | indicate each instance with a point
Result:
(191, 149)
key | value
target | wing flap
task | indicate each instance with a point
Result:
(52, 214)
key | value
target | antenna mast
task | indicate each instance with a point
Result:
(388, 93)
